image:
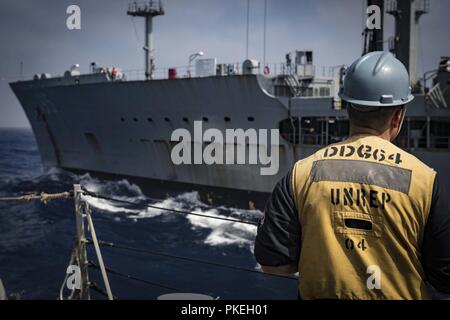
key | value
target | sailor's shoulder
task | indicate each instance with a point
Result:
(309, 160)
(411, 160)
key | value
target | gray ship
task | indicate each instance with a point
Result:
(105, 122)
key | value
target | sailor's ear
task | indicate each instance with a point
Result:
(397, 122)
(397, 118)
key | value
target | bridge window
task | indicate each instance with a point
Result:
(324, 91)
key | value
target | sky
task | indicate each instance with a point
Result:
(34, 32)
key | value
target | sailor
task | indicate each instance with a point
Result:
(362, 218)
(114, 73)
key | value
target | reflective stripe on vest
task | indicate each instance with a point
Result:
(363, 205)
(363, 172)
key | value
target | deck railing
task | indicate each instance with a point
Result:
(233, 68)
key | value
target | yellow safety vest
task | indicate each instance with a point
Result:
(363, 205)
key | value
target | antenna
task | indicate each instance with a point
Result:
(265, 33)
(148, 10)
(248, 26)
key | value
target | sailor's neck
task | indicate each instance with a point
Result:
(356, 131)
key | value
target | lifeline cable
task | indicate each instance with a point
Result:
(150, 252)
(123, 275)
(99, 196)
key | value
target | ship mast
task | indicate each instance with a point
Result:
(404, 45)
(148, 10)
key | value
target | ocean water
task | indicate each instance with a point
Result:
(36, 239)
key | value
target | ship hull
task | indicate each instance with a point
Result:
(125, 128)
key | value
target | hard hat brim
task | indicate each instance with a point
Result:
(363, 103)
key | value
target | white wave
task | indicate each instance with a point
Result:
(108, 206)
(112, 187)
(53, 174)
(169, 203)
(222, 232)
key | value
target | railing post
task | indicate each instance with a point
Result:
(98, 252)
(81, 254)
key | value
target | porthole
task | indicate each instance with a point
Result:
(185, 119)
(227, 119)
(166, 119)
(251, 119)
(122, 119)
(149, 119)
(205, 119)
